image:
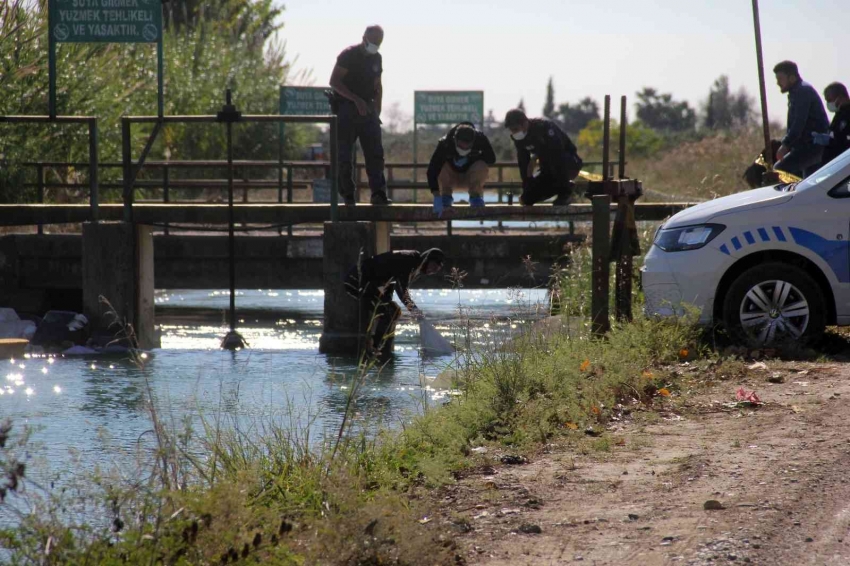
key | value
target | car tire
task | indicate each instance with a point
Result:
(772, 303)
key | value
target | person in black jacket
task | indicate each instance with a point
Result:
(837, 141)
(460, 161)
(548, 159)
(798, 153)
(374, 280)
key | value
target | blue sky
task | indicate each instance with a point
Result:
(509, 49)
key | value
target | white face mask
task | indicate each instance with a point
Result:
(832, 107)
(462, 152)
(371, 48)
(519, 136)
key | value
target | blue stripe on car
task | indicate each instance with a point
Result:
(736, 242)
(763, 234)
(779, 235)
(749, 236)
(833, 252)
(724, 249)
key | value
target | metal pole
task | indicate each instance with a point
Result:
(601, 271)
(160, 97)
(334, 170)
(606, 141)
(768, 154)
(128, 169)
(622, 170)
(40, 180)
(51, 62)
(93, 170)
(415, 160)
(231, 237)
(166, 197)
(289, 194)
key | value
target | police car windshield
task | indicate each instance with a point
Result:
(839, 164)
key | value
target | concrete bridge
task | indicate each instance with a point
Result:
(125, 262)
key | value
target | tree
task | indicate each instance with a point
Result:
(575, 118)
(248, 21)
(724, 110)
(549, 107)
(641, 141)
(660, 112)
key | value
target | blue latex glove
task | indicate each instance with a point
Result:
(821, 139)
(438, 205)
(476, 202)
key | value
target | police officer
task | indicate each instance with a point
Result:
(460, 161)
(374, 280)
(356, 81)
(548, 160)
(837, 141)
(798, 154)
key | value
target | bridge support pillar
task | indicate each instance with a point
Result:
(342, 244)
(118, 265)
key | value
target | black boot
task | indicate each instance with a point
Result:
(379, 198)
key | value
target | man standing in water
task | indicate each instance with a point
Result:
(374, 280)
(356, 81)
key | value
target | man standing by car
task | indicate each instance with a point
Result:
(837, 141)
(547, 158)
(460, 161)
(798, 154)
(356, 81)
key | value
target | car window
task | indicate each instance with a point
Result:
(841, 190)
(824, 173)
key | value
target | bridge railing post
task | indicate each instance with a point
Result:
(128, 169)
(40, 181)
(334, 170)
(166, 197)
(93, 170)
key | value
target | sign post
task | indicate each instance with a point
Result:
(103, 21)
(768, 153)
(433, 107)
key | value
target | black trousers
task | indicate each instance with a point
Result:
(378, 318)
(353, 126)
(546, 185)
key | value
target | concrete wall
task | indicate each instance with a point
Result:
(43, 272)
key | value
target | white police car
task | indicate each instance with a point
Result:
(770, 264)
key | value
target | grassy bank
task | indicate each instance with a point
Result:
(271, 493)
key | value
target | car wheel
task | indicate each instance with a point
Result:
(774, 302)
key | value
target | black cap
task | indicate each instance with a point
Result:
(465, 133)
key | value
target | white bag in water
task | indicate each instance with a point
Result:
(433, 342)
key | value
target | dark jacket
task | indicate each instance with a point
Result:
(383, 274)
(446, 152)
(806, 114)
(552, 146)
(839, 134)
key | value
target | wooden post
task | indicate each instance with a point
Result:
(601, 270)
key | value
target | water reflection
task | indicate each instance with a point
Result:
(281, 378)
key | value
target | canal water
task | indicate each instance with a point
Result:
(92, 411)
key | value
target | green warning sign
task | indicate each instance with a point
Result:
(105, 21)
(448, 107)
(304, 100)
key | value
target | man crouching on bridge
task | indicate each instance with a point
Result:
(548, 159)
(460, 161)
(374, 280)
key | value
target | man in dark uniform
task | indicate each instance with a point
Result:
(548, 160)
(356, 81)
(798, 154)
(837, 141)
(460, 161)
(374, 280)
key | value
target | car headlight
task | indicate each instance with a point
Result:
(687, 238)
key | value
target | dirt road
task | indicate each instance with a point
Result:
(638, 495)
